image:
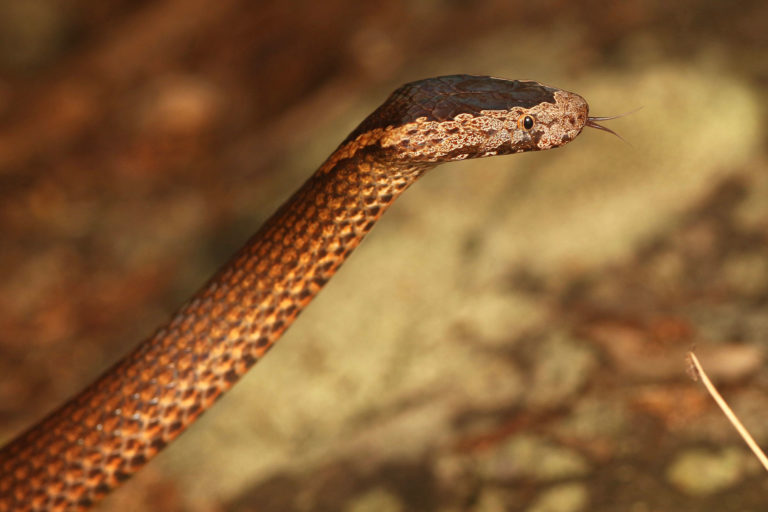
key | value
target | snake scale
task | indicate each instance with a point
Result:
(104, 434)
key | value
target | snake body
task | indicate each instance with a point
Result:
(104, 434)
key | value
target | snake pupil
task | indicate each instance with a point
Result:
(528, 122)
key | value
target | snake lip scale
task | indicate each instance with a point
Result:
(96, 440)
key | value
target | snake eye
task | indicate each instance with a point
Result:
(525, 122)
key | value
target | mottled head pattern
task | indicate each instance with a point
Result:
(461, 116)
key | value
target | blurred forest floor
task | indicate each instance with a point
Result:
(510, 337)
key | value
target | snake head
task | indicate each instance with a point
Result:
(462, 116)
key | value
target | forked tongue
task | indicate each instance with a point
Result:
(592, 122)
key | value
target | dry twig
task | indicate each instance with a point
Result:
(699, 371)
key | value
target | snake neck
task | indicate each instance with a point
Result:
(122, 420)
(288, 261)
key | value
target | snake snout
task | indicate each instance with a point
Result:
(568, 115)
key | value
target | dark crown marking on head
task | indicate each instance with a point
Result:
(443, 98)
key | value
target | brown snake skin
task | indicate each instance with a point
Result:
(107, 432)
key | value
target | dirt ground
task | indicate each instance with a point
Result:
(511, 336)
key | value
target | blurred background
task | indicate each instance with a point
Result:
(511, 336)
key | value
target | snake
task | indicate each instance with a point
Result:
(100, 437)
